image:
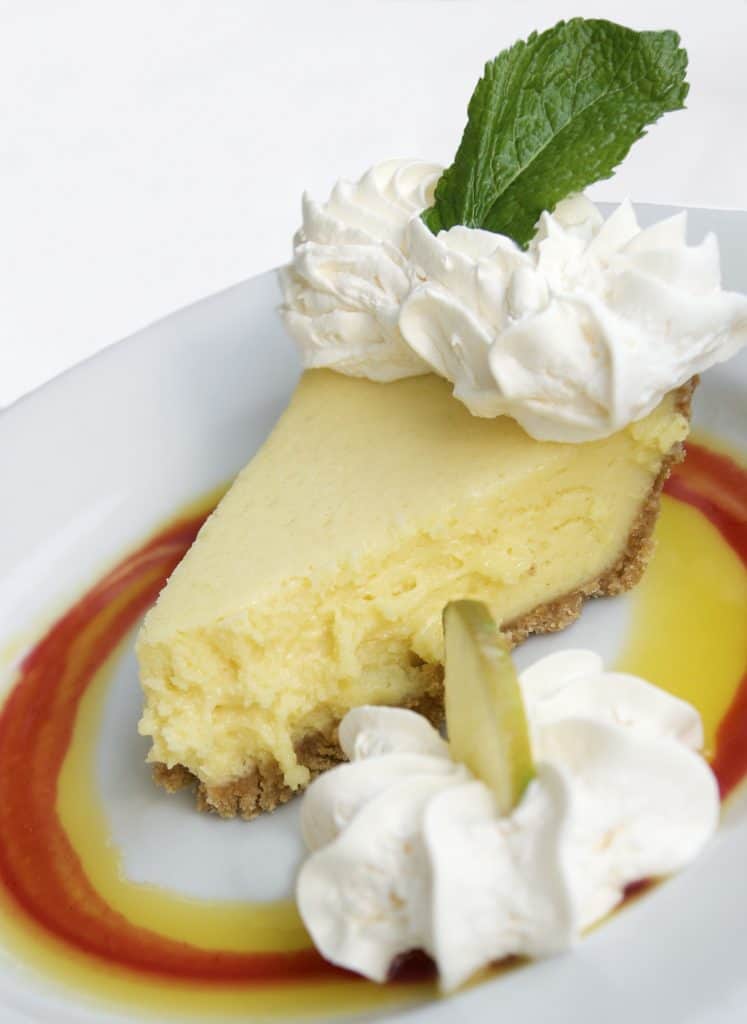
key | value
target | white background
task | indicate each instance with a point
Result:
(155, 151)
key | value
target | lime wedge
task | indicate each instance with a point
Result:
(485, 715)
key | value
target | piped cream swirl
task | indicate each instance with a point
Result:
(350, 273)
(408, 850)
(579, 335)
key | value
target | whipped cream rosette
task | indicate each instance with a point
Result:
(350, 273)
(575, 337)
(408, 851)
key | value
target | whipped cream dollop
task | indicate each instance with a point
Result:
(409, 852)
(579, 335)
(350, 273)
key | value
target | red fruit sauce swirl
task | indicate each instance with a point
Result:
(38, 865)
(717, 487)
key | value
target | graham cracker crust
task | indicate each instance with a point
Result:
(263, 789)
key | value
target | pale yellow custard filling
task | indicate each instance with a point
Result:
(319, 582)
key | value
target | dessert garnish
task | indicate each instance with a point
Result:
(498, 275)
(551, 116)
(484, 708)
(410, 849)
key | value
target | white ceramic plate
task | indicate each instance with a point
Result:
(97, 459)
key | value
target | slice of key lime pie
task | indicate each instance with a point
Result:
(497, 383)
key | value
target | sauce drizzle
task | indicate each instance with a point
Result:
(40, 871)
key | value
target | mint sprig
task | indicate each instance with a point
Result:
(551, 116)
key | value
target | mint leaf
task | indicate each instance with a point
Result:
(552, 115)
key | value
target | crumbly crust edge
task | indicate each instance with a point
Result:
(263, 787)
